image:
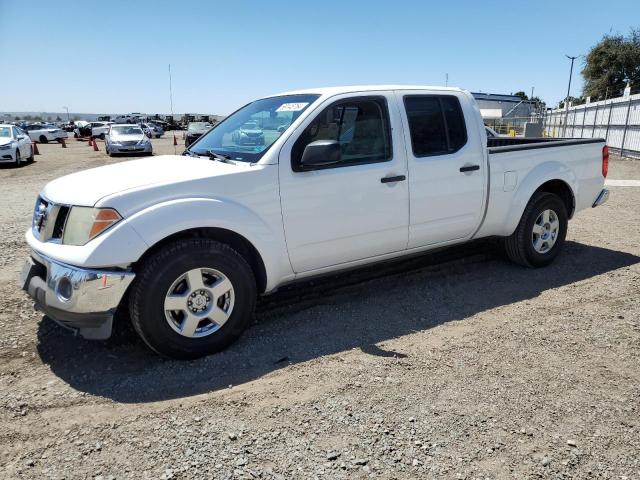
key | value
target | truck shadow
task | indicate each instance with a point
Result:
(323, 317)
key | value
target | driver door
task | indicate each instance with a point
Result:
(358, 207)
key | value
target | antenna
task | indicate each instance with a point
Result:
(446, 79)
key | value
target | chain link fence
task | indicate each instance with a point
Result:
(617, 120)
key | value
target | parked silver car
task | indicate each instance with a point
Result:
(127, 138)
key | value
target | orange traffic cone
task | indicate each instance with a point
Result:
(64, 144)
(175, 140)
(95, 145)
(35, 148)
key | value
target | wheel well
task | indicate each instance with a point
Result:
(236, 241)
(562, 190)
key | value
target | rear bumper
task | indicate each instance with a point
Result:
(602, 197)
(84, 300)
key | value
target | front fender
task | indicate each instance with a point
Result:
(159, 221)
(543, 173)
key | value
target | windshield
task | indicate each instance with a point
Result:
(248, 133)
(126, 131)
(5, 132)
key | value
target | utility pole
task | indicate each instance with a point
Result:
(531, 101)
(446, 79)
(67, 109)
(566, 100)
(170, 93)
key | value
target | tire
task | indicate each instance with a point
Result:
(101, 136)
(43, 139)
(165, 273)
(30, 157)
(529, 249)
(17, 163)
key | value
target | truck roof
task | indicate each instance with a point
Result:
(330, 91)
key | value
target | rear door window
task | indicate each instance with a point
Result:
(436, 124)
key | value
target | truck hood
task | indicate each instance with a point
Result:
(87, 187)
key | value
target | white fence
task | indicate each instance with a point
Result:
(617, 120)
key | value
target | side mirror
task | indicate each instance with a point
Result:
(321, 153)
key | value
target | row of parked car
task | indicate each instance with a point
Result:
(101, 129)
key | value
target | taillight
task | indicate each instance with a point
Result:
(605, 161)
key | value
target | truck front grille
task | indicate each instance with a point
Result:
(49, 220)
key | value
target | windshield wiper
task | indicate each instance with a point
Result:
(220, 157)
(211, 154)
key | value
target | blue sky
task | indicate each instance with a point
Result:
(112, 56)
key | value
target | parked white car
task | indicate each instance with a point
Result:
(15, 145)
(44, 133)
(127, 138)
(359, 175)
(100, 129)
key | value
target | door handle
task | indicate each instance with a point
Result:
(469, 168)
(397, 178)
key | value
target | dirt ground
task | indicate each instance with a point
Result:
(456, 364)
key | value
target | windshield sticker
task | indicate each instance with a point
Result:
(291, 107)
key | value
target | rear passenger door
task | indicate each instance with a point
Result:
(446, 167)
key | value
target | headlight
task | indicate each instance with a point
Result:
(6, 146)
(86, 223)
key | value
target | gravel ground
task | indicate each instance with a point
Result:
(452, 365)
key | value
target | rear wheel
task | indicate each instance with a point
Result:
(43, 139)
(541, 232)
(192, 298)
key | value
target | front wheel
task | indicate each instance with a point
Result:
(541, 232)
(43, 139)
(192, 298)
(17, 161)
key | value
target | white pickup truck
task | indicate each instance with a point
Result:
(359, 175)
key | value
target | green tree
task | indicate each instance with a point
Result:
(573, 101)
(610, 64)
(522, 95)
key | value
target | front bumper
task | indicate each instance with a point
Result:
(7, 155)
(602, 197)
(84, 300)
(146, 148)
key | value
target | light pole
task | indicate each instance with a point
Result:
(570, 74)
(67, 109)
(566, 100)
